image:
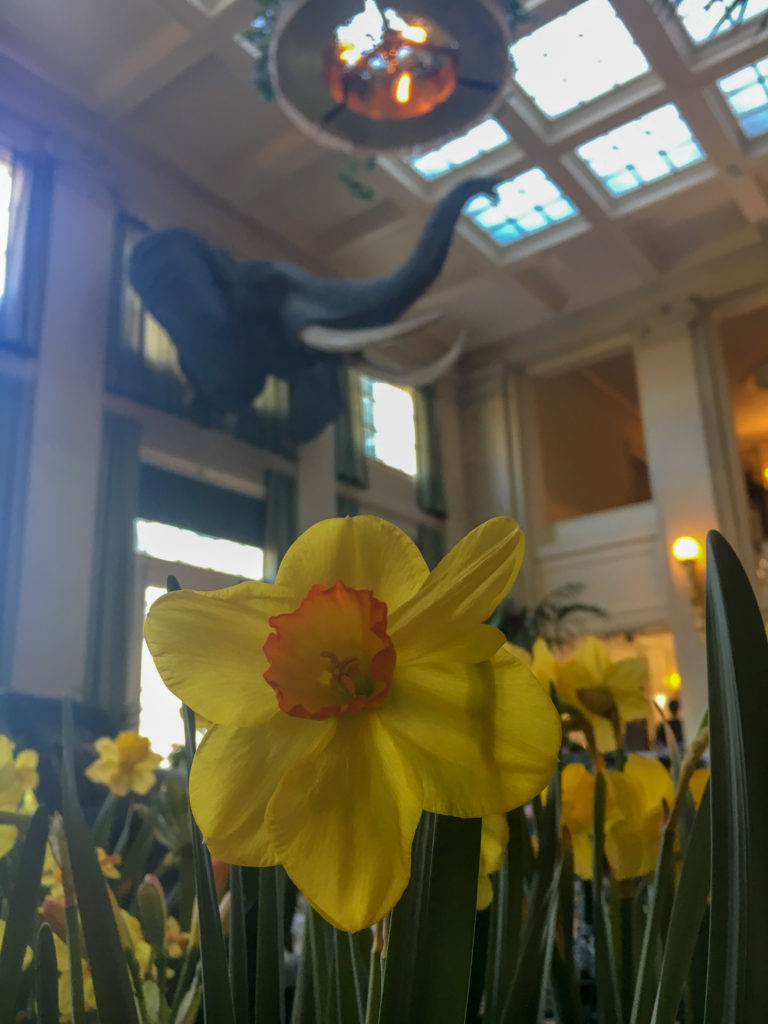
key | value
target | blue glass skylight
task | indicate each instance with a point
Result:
(746, 92)
(644, 150)
(703, 19)
(577, 57)
(483, 138)
(527, 204)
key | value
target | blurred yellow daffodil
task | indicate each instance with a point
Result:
(176, 940)
(352, 694)
(493, 844)
(125, 764)
(697, 784)
(539, 659)
(608, 694)
(52, 874)
(65, 997)
(577, 813)
(636, 797)
(18, 779)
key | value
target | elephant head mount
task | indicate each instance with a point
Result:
(234, 323)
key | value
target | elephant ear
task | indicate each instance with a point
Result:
(315, 400)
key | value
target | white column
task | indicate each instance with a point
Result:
(682, 482)
(316, 480)
(449, 420)
(54, 600)
(486, 452)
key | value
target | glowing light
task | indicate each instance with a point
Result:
(403, 90)
(765, 473)
(414, 34)
(673, 680)
(686, 549)
(660, 699)
(383, 66)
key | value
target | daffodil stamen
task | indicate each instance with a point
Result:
(310, 678)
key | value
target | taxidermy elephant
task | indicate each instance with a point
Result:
(235, 323)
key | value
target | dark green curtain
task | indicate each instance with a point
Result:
(350, 450)
(26, 258)
(346, 506)
(191, 504)
(431, 543)
(16, 403)
(113, 566)
(429, 473)
(279, 519)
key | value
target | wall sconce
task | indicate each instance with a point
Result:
(688, 552)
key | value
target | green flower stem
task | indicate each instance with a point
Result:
(75, 964)
(138, 985)
(20, 821)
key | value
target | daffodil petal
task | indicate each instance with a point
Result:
(483, 738)
(234, 774)
(593, 655)
(208, 648)
(342, 824)
(364, 552)
(479, 643)
(462, 591)
(626, 680)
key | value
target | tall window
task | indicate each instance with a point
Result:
(389, 433)
(202, 562)
(207, 536)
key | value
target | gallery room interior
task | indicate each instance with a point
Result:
(611, 302)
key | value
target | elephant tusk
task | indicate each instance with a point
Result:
(420, 376)
(339, 340)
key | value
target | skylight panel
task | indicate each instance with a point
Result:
(577, 57)
(527, 203)
(644, 150)
(483, 138)
(703, 19)
(746, 92)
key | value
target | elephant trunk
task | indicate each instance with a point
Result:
(375, 301)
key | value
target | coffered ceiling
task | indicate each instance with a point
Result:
(171, 77)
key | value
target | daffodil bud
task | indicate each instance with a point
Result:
(153, 912)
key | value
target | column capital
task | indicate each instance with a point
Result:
(667, 318)
(483, 381)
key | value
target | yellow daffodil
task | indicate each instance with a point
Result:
(18, 778)
(577, 814)
(540, 660)
(52, 875)
(125, 764)
(493, 844)
(637, 795)
(176, 940)
(697, 784)
(608, 694)
(352, 694)
(65, 997)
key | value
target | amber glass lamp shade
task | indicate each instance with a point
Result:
(407, 74)
(368, 76)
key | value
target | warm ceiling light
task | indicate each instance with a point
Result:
(363, 75)
(383, 64)
(686, 549)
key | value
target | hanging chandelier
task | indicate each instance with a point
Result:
(362, 75)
